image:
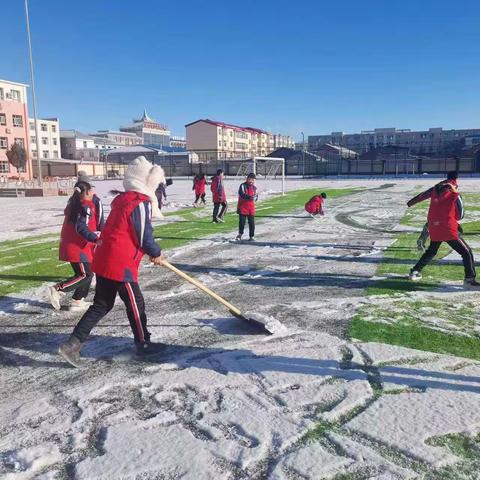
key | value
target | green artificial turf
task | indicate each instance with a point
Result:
(31, 261)
(405, 325)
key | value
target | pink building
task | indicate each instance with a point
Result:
(14, 127)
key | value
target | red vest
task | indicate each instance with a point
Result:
(314, 205)
(200, 186)
(442, 214)
(118, 253)
(217, 197)
(247, 207)
(73, 247)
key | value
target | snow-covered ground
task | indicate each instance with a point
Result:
(223, 402)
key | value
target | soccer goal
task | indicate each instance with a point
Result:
(265, 168)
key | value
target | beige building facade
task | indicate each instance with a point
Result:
(214, 141)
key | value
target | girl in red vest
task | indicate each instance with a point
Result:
(315, 205)
(219, 197)
(126, 238)
(247, 196)
(77, 241)
(446, 209)
(199, 184)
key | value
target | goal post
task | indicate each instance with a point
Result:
(269, 168)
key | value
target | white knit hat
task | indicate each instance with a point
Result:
(143, 177)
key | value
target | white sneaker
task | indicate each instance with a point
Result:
(220, 219)
(414, 275)
(54, 296)
(79, 305)
(238, 237)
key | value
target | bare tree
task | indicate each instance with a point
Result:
(17, 156)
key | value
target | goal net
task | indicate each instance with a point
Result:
(268, 169)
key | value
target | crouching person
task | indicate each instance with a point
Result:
(315, 205)
(126, 238)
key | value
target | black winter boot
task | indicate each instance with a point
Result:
(70, 351)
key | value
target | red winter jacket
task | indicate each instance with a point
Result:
(314, 205)
(218, 190)
(446, 209)
(77, 240)
(247, 196)
(199, 186)
(127, 236)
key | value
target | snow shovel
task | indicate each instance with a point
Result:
(231, 308)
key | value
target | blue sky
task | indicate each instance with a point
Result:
(284, 66)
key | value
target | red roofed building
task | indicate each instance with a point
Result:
(213, 140)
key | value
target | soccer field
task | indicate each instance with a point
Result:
(370, 376)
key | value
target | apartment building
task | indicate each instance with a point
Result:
(149, 130)
(213, 140)
(13, 127)
(49, 138)
(123, 138)
(178, 142)
(76, 145)
(424, 142)
(283, 141)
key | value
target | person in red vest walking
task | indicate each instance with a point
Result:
(219, 197)
(446, 209)
(126, 238)
(247, 196)
(77, 240)
(199, 186)
(315, 205)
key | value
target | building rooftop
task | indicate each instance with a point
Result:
(228, 125)
(146, 119)
(13, 83)
(115, 132)
(75, 134)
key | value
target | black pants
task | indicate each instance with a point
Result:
(216, 208)
(251, 224)
(198, 197)
(460, 246)
(80, 282)
(105, 294)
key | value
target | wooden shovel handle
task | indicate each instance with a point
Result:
(201, 286)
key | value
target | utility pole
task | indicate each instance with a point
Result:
(303, 154)
(34, 101)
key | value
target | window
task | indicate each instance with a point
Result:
(17, 120)
(54, 128)
(45, 154)
(55, 154)
(84, 144)
(54, 140)
(4, 167)
(20, 141)
(3, 143)
(3, 119)
(32, 126)
(34, 153)
(33, 140)
(43, 127)
(44, 140)
(1, 94)
(220, 143)
(15, 95)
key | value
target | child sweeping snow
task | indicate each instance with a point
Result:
(219, 197)
(127, 237)
(315, 205)
(247, 196)
(446, 209)
(77, 241)
(199, 184)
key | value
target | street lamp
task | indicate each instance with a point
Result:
(34, 101)
(303, 154)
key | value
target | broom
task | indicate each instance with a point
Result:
(231, 308)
